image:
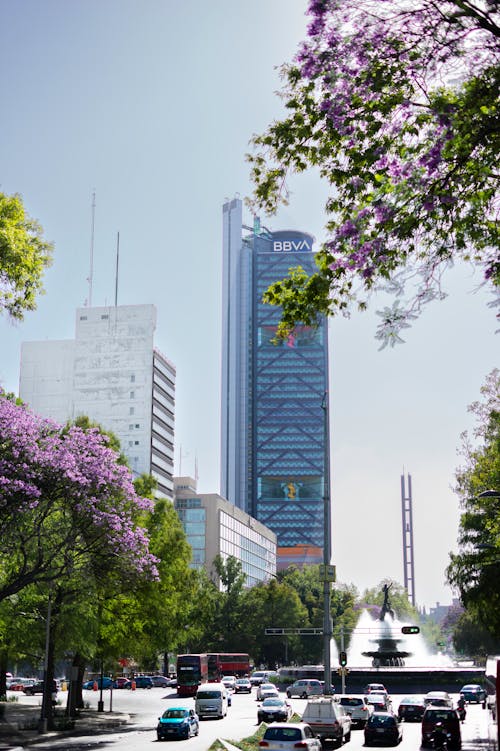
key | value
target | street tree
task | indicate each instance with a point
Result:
(24, 256)
(475, 569)
(232, 580)
(396, 105)
(64, 498)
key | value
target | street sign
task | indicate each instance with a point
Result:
(300, 631)
(327, 573)
(274, 631)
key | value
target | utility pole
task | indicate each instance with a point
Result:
(327, 568)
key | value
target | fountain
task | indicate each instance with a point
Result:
(387, 652)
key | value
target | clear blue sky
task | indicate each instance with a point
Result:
(151, 103)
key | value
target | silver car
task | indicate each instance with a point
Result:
(288, 736)
(305, 688)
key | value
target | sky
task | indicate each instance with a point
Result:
(151, 104)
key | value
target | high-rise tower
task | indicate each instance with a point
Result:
(273, 451)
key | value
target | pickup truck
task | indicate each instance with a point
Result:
(328, 720)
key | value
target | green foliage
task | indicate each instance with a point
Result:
(472, 640)
(24, 255)
(475, 570)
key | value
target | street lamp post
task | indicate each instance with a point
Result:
(327, 623)
(42, 722)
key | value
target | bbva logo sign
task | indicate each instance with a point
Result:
(284, 246)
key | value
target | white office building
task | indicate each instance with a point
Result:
(112, 373)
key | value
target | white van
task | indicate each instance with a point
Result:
(212, 700)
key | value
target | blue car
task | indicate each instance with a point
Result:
(106, 683)
(177, 722)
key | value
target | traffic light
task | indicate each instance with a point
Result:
(410, 630)
(342, 659)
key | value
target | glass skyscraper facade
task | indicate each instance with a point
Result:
(274, 415)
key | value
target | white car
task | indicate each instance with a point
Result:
(357, 707)
(288, 736)
(265, 690)
(229, 681)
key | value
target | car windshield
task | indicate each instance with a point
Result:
(411, 700)
(208, 694)
(348, 701)
(267, 686)
(282, 734)
(272, 703)
(438, 715)
(174, 714)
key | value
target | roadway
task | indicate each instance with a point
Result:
(145, 706)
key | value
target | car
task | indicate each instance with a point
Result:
(229, 681)
(473, 692)
(259, 676)
(266, 689)
(18, 684)
(243, 686)
(274, 709)
(450, 721)
(357, 707)
(106, 683)
(375, 687)
(378, 702)
(384, 728)
(38, 687)
(289, 736)
(159, 681)
(305, 688)
(411, 708)
(328, 720)
(438, 699)
(122, 682)
(143, 681)
(177, 722)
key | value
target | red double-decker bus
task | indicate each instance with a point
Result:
(227, 663)
(192, 670)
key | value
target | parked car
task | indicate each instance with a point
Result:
(229, 681)
(411, 708)
(438, 699)
(328, 720)
(264, 690)
(18, 684)
(289, 737)
(473, 692)
(121, 682)
(159, 681)
(106, 683)
(243, 686)
(305, 688)
(37, 688)
(450, 721)
(357, 707)
(177, 722)
(274, 709)
(143, 681)
(385, 728)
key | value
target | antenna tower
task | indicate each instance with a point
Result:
(91, 270)
(407, 517)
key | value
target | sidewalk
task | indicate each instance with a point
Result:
(19, 725)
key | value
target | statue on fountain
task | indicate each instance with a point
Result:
(387, 652)
(386, 607)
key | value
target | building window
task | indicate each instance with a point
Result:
(105, 317)
(136, 443)
(132, 394)
(131, 411)
(130, 427)
(83, 318)
(137, 425)
(132, 378)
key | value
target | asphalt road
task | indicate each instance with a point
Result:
(145, 706)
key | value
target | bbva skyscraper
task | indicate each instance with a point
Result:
(275, 433)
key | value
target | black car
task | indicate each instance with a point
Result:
(37, 688)
(383, 727)
(274, 709)
(411, 708)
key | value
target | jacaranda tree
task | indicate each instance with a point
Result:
(396, 104)
(64, 499)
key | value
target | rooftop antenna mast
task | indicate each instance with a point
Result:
(117, 263)
(91, 270)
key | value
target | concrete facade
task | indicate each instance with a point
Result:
(112, 373)
(214, 526)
